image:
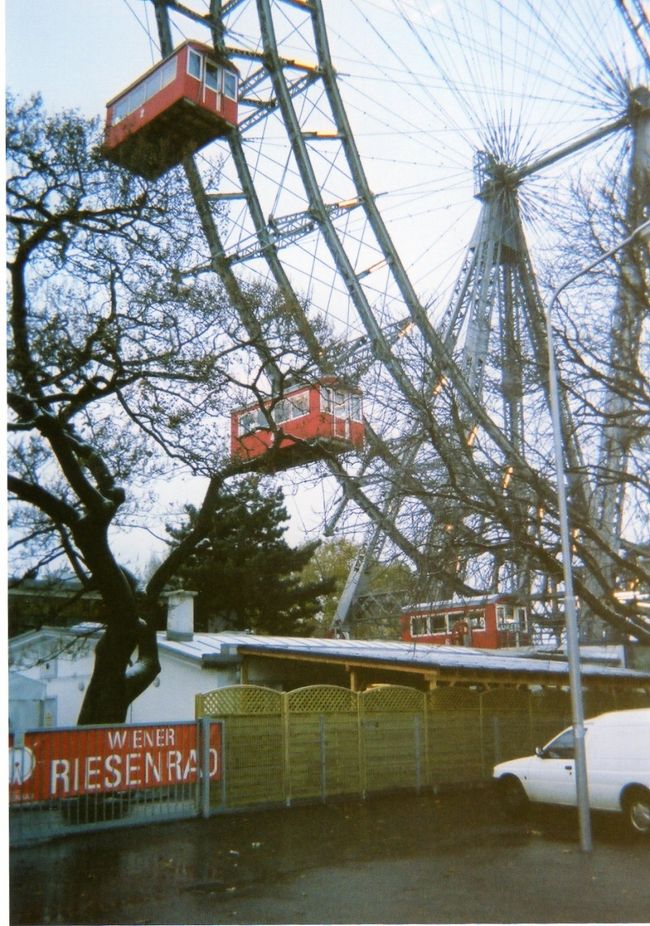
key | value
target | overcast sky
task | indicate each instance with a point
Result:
(416, 86)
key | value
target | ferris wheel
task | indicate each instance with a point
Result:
(396, 173)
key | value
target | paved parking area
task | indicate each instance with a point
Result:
(398, 859)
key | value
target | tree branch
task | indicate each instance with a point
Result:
(55, 508)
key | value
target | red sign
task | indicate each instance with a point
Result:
(100, 760)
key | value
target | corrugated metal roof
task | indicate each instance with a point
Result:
(397, 653)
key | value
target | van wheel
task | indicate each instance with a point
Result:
(636, 804)
(514, 799)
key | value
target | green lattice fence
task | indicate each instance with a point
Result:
(254, 762)
(320, 741)
(454, 735)
(392, 733)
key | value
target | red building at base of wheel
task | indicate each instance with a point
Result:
(490, 622)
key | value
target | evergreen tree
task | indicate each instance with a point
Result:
(247, 576)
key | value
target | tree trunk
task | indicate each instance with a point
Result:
(116, 680)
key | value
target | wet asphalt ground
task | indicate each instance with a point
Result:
(398, 859)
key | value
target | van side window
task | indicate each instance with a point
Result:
(561, 747)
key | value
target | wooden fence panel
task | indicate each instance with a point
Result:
(322, 742)
(505, 726)
(550, 713)
(393, 740)
(254, 764)
(254, 761)
(454, 735)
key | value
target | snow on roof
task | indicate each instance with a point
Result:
(397, 653)
(426, 656)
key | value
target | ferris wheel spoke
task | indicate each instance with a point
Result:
(317, 208)
(268, 248)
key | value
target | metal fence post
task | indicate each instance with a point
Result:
(482, 732)
(361, 740)
(204, 778)
(286, 749)
(323, 760)
(224, 765)
(496, 738)
(418, 754)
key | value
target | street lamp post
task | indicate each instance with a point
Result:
(572, 637)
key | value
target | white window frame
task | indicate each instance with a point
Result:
(356, 407)
(339, 404)
(291, 407)
(192, 52)
(204, 77)
(453, 617)
(445, 622)
(254, 417)
(521, 618)
(207, 74)
(300, 404)
(281, 412)
(335, 402)
(227, 73)
(475, 619)
(505, 617)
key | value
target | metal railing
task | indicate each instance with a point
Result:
(73, 779)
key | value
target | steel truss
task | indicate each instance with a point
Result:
(464, 401)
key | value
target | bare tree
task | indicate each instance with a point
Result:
(122, 362)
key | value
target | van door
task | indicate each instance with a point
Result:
(614, 760)
(551, 775)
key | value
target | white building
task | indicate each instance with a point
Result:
(49, 670)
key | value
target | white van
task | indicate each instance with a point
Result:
(617, 746)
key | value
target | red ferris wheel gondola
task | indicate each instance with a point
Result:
(489, 622)
(298, 427)
(171, 111)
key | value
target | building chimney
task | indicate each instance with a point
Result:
(180, 614)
